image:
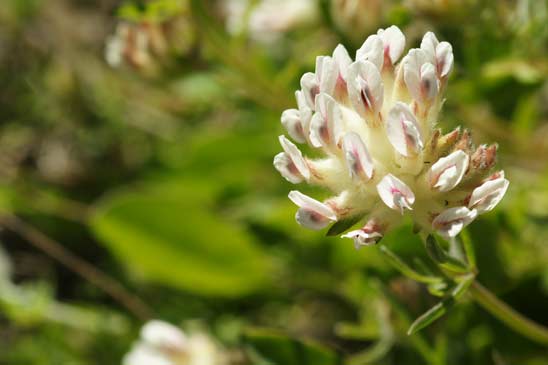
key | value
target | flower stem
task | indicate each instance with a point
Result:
(509, 316)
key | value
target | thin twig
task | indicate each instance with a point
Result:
(89, 272)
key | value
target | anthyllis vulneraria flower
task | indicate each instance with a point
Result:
(375, 119)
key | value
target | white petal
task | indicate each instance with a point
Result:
(305, 113)
(291, 120)
(448, 171)
(485, 197)
(310, 88)
(395, 193)
(372, 50)
(393, 41)
(403, 130)
(362, 237)
(294, 154)
(451, 221)
(358, 160)
(412, 64)
(444, 59)
(164, 335)
(326, 123)
(342, 60)
(312, 213)
(429, 81)
(429, 44)
(327, 73)
(365, 87)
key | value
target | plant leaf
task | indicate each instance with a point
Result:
(342, 225)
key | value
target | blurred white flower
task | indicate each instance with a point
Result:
(372, 121)
(164, 344)
(358, 17)
(267, 20)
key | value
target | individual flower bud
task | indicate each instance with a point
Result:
(484, 157)
(486, 196)
(342, 61)
(451, 221)
(420, 76)
(365, 88)
(312, 213)
(441, 144)
(326, 122)
(368, 235)
(395, 193)
(359, 162)
(448, 171)
(310, 87)
(393, 44)
(439, 54)
(372, 50)
(291, 120)
(403, 130)
(465, 142)
(291, 163)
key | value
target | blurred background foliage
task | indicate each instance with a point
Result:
(136, 141)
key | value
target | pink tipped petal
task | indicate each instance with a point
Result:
(312, 213)
(357, 157)
(372, 50)
(296, 157)
(395, 193)
(365, 87)
(444, 59)
(326, 122)
(485, 197)
(362, 237)
(412, 64)
(403, 130)
(429, 81)
(291, 120)
(286, 168)
(451, 221)
(310, 88)
(448, 171)
(393, 42)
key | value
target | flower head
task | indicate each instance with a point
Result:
(372, 123)
(164, 344)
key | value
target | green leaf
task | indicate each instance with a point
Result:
(438, 254)
(169, 233)
(434, 250)
(276, 348)
(430, 316)
(342, 225)
(442, 307)
(405, 269)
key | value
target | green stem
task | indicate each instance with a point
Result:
(509, 316)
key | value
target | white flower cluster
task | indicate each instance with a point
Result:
(164, 344)
(374, 121)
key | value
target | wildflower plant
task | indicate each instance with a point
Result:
(372, 122)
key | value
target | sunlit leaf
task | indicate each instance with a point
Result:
(170, 235)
